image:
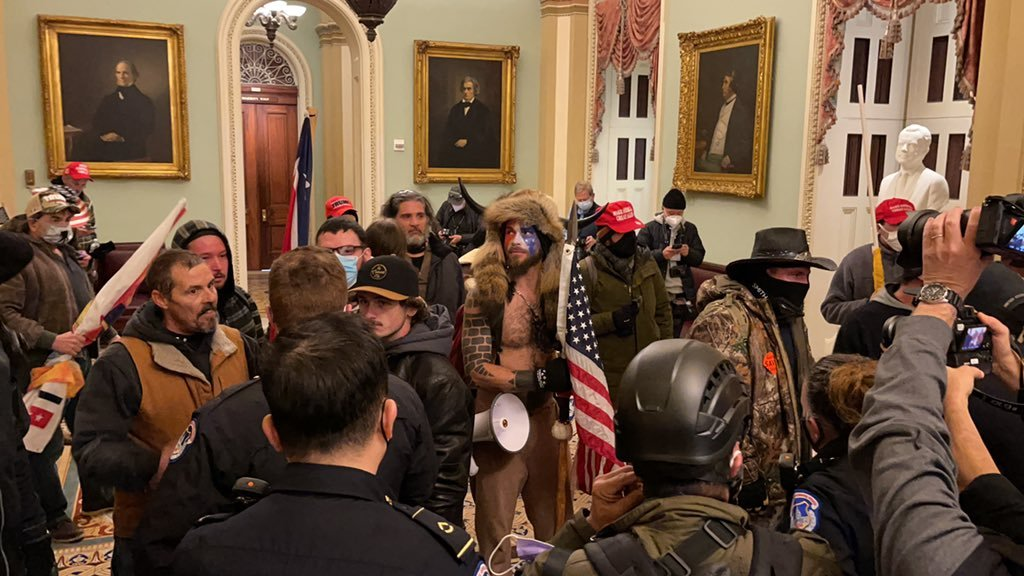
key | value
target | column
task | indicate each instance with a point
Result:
(997, 156)
(9, 181)
(336, 113)
(565, 62)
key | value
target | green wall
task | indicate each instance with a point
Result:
(727, 224)
(514, 22)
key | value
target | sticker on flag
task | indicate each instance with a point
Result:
(42, 404)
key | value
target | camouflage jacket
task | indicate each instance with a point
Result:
(662, 524)
(744, 328)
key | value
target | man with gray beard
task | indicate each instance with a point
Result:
(142, 391)
(440, 275)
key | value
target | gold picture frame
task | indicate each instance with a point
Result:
(451, 140)
(115, 96)
(724, 107)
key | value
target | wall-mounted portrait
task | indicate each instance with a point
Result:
(114, 95)
(464, 112)
(724, 105)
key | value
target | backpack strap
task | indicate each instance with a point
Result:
(623, 554)
(775, 554)
(556, 562)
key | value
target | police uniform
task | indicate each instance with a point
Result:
(225, 442)
(829, 503)
(327, 520)
(662, 524)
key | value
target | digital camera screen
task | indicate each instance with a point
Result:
(1017, 241)
(975, 336)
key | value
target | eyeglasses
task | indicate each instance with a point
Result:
(348, 250)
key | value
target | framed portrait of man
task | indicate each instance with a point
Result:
(114, 96)
(724, 105)
(464, 112)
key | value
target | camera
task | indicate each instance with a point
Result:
(1000, 230)
(446, 233)
(972, 342)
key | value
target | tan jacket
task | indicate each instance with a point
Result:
(662, 524)
(39, 303)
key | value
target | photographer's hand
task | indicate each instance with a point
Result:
(969, 452)
(1005, 362)
(950, 258)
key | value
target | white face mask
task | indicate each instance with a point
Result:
(57, 234)
(457, 205)
(674, 221)
(891, 239)
(585, 205)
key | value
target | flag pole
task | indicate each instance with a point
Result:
(867, 164)
(564, 489)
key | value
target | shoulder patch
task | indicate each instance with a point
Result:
(455, 539)
(186, 440)
(805, 511)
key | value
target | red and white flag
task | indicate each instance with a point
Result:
(595, 452)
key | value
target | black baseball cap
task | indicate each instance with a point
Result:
(390, 277)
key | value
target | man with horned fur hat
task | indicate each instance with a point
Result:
(509, 346)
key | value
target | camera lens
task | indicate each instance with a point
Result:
(911, 236)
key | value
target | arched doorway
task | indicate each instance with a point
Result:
(361, 141)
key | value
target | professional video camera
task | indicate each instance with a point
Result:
(972, 342)
(1000, 230)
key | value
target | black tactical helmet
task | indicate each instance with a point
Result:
(680, 403)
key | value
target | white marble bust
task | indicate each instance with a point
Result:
(923, 187)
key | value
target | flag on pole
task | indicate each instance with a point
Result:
(296, 229)
(595, 452)
(61, 377)
(117, 293)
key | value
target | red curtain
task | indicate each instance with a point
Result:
(627, 31)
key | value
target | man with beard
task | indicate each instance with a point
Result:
(440, 276)
(754, 315)
(508, 343)
(173, 358)
(123, 121)
(628, 302)
(236, 308)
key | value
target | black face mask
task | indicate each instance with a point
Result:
(786, 298)
(625, 247)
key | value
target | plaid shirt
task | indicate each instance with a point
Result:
(240, 312)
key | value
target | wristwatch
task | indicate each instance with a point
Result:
(938, 294)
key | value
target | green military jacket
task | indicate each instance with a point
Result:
(662, 523)
(609, 291)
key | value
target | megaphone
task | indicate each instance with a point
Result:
(506, 423)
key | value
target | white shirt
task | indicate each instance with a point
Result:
(718, 140)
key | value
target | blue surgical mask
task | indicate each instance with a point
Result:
(585, 205)
(351, 266)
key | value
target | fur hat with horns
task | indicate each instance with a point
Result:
(530, 208)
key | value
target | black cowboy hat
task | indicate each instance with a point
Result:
(779, 247)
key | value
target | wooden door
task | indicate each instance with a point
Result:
(270, 125)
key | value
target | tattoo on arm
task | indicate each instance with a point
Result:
(478, 352)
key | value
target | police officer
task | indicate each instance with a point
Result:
(326, 385)
(224, 441)
(828, 501)
(682, 412)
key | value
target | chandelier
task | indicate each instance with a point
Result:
(371, 14)
(272, 15)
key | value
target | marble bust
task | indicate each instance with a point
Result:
(923, 187)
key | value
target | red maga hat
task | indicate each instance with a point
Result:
(893, 211)
(619, 217)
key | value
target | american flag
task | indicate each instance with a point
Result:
(595, 453)
(296, 228)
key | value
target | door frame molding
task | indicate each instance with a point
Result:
(291, 52)
(365, 85)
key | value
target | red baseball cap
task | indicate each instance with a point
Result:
(339, 206)
(619, 217)
(77, 170)
(893, 211)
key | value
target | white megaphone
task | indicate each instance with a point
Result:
(507, 423)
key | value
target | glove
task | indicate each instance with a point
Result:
(624, 319)
(556, 376)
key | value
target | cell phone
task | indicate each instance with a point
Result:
(678, 242)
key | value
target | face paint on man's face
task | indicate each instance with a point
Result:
(521, 241)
